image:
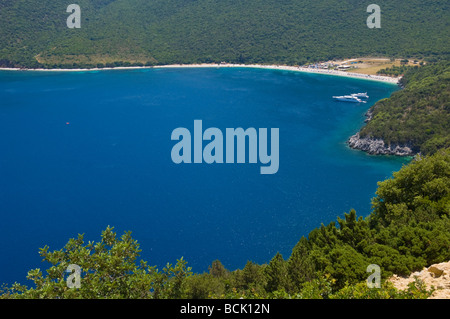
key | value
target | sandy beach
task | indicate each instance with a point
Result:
(292, 68)
(380, 78)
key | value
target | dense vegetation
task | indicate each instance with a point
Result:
(396, 71)
(142, 32)
(409, 228)
(417, 116)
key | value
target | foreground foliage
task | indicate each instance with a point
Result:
(408, 229)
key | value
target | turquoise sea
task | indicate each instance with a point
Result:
(83, 150)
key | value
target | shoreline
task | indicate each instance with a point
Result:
(361, 76)
(377, 146)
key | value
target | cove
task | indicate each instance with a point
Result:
(111, 165)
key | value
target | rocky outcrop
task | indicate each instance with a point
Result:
(436, 276)
(369, 115)
(377, 146)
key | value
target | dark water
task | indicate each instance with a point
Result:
(81, 151)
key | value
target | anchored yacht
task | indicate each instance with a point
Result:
(348, 98)
(361, 95)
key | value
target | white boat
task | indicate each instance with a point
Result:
(348, 98)
(361, 95)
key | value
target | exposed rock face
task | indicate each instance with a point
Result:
(437, 275)
(369, 115)
(378, 147)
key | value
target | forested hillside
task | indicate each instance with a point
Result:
(138, 32)
(417, 116)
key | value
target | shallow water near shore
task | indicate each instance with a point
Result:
(83, 150)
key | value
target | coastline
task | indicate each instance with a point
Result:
(362, 76)
(377, 146)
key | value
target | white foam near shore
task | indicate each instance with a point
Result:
(388, 79)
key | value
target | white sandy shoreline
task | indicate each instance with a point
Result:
(226, 65)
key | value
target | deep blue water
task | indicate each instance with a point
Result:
(81, 151)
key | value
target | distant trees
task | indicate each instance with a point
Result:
(168, 32)
(404, 61)
(396, 70)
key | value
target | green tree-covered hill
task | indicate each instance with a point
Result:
(189, 31)
(417, 116)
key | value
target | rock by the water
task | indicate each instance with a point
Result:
(378, 146)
